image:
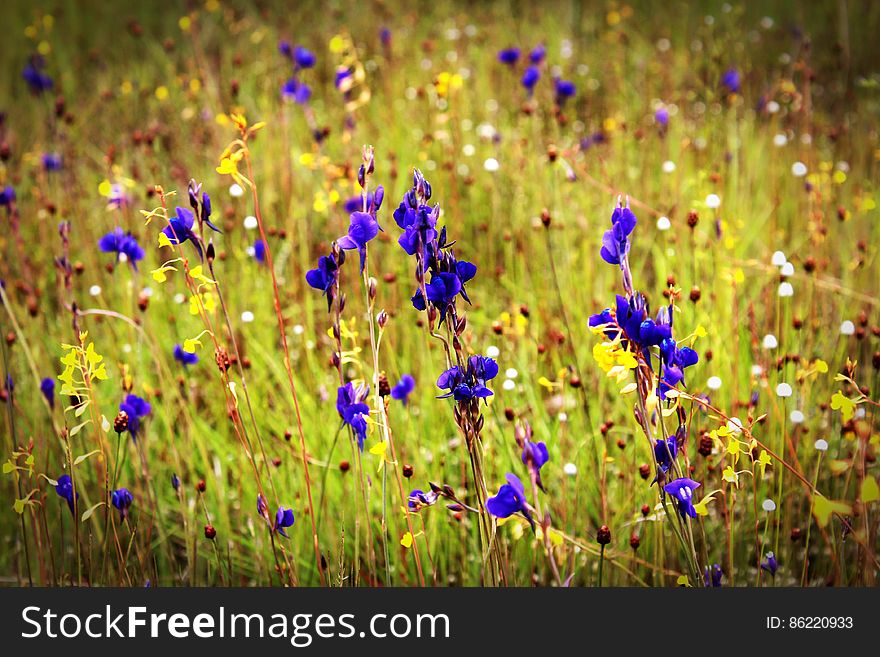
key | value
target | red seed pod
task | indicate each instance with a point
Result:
(201, 486)
(344, 466)
(210, 532)
(603, 536)
(634, 541)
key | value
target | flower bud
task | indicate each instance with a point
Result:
(210, 532)
(634, 541)
(603, 536)
(201, 486)
(120, 424)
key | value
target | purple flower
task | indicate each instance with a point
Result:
(33, 74)
(260, 251)
(538, 53)
(180, 228)
(713, 575)
(353, 411)
(770, 564)
(122, 243)
(297, 91)
(385, 37)
(530, 78)
(185, 357)
(469, 382)
(303, 57)
(510, 499)
(534, 456)
(661, 116)
(7, 196)
(64, 488)
(175, 481)
(122, 499)
(509, 56)
(731, 80)
(283, 518)
(564, 90)
(362, 228)
(285, 49)
(403, 389)
(136, 409)
(51, 162)
(324, 277)
(683, 491)
(418, 499)
(615, 242)
(47, 387)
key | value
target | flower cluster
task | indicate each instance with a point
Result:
(352, 408)
(510, 57)
(433, 253)
(467, 382)
(123, 244)
(136, 409)
(301, 58)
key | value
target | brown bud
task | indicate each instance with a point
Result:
(384, 386)
(210, 532)
(795, 534)
(407, 470)
(546, 218)
(575, 381)
(552, 153)
(634, 541)
(120, 424)
(695, 294)
(706, 445)
(509, 414)
(222, 358)
(644, 470)
(693, 218)
(201, 486)
(344, 466)
(603, 536)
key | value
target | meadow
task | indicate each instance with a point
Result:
(439, 294)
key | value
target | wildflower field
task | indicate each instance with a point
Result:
(439, 294)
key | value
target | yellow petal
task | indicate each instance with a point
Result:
(407, 540)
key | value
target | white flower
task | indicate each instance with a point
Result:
(247, 317)
(821, 445)
(713, 201)
(468, 150)
(250, 222)
(493, 351)
(796, 417)
(563, 417)
(714, 383)
(95, 290)
(778, 259)
(768, 505)
(787, 269)
(663, 223)
(799, 169)
(785, 289)
(757, 370)
(236, 190)
(491, 165)
(570, 469)
(668, 166)
(509, 384)
(123, 257)
(783, 390)
(770, 341)
(772, 107)
(511, 373)
(179, 298)
(780, 140)
(147, 291)
(735, 425)
(298, 329)
(847, 328)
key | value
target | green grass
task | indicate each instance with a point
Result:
(114, 126)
